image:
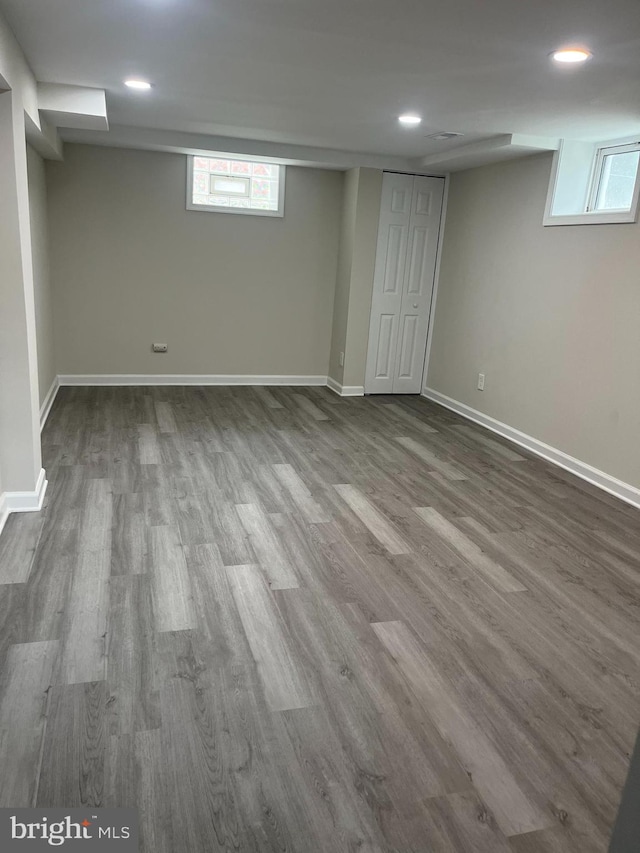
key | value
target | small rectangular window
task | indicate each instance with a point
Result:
(615, 173)
(224, 185)
(594, 183)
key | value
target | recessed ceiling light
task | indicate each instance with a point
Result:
(409, 120)
(571, 54)
(137, 84)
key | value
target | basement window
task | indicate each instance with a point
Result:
(616, 170)
(221, 184)
(594, 183)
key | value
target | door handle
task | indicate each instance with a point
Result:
(415, 304)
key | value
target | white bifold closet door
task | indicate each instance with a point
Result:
(410, 214)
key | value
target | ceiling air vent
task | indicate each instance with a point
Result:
(447, 134)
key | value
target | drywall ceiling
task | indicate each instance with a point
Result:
(336, 73)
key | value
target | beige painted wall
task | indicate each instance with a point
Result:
(356, 267)
(343, 277)
(550, 315)
(362, 272)
(41, 288)
(20, 453)
(228, 294)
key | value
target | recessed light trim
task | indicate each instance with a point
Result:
(410, 119)
(571, 55)
(140, 85)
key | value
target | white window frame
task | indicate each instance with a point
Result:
(598, 175)
(245, 211)
(589, 215)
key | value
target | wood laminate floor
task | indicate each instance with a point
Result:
(278, 620)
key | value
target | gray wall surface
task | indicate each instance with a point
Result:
(41, 285)
(356, 267)
(229, 294)
(550, 315)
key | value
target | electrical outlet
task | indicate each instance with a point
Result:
(481, 382)
(341, 359)
(159, 347)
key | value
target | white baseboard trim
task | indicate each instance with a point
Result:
(187, 379)
(4, 511)
(23, 501)
(345, 390)
(28, 501)
(48, 402)
(626, 492)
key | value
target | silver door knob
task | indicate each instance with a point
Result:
(415, 304)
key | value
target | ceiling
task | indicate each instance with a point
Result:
(336, 73)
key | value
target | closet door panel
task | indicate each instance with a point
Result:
(389, 281)
(415, 306)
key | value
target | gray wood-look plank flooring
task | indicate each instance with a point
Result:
(276, 619)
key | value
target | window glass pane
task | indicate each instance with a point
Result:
(240, 167)
(230, 186)
(221, 182)
(265, 170)
(201, 182)
(220, 167)
(617, 181)
(260, 189)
